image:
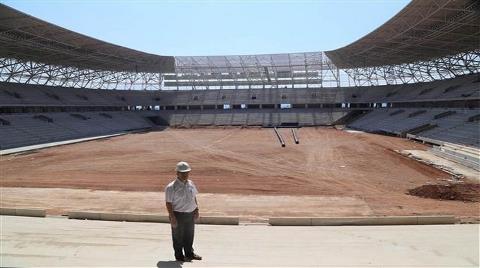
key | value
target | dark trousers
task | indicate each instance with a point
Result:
(182, 235)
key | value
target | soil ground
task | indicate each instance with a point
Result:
(249, 164)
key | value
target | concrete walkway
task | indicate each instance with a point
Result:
(443, 164)
(61, 242)
(54, 144)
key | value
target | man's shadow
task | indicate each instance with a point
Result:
(169, 264)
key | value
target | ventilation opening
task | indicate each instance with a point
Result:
(297, 105)
(106, 115)
(43, 118)
(13, 94)
(157, 120)
(121, 98)
(284, 97)
(157, 98)
(425, 91)
(354, 96)
(4, 122)
(254, 97)
(83, 97)
(444, 114)
(268, 106)
(417, 113)
(209, 107)
(224, 97)
(195, 98)
(289, 124)
(79, 116)
(396, 112)
(194, 107)
(451, 88)
(466, 95)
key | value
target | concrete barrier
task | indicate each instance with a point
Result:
(113, 217)
(387, 220)
(437, 220)
(83, 215)
(7, 211)
(23, 212)
(219, 220)
(374, 220)
(290, 221)
(280, 139)
(147, 218)
(31, 212)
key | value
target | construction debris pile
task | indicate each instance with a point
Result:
(468, 192)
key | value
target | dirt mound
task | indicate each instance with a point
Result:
(459, 191)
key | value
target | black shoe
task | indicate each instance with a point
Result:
(181, 259)
(195, 257)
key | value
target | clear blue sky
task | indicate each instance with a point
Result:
(183, 28)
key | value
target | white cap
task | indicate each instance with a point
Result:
(183, 167)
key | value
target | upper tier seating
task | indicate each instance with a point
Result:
(461, 88)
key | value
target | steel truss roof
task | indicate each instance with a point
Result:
(281, 62)
(423, 30)
(268, 70)
(24, 37)
(428, 40)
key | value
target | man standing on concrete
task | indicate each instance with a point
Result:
(182, 206)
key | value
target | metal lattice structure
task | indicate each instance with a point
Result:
(311, 69)
(427, 40)
(422, 31)
(420, 71)
(28, 72)
(27, 38)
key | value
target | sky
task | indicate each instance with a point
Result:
(202, 28)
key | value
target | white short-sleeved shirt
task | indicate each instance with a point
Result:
(181, 195)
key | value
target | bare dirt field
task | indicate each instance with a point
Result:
(328, 168)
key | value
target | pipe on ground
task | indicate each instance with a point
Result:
(280, 139)
(295, 136)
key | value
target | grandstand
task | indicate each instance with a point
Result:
(63, 87)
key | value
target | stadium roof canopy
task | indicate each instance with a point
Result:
(25, 37)
(427, 40)
(423, 30)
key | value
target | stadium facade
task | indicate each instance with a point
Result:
(417, 75)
